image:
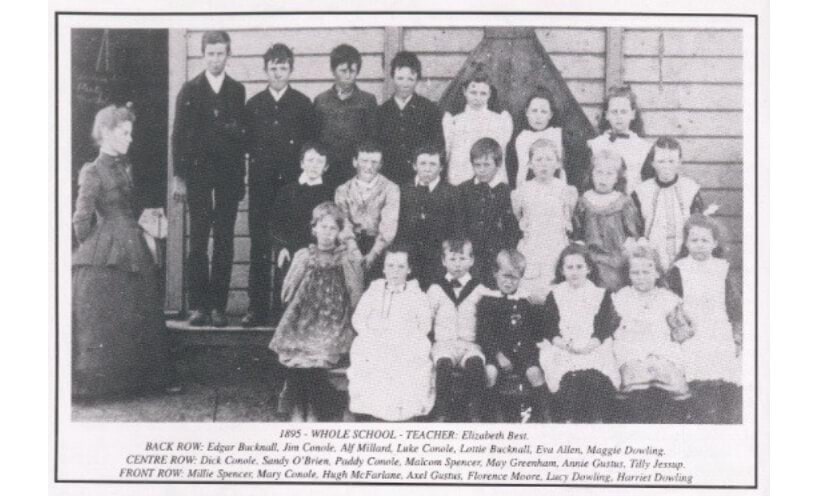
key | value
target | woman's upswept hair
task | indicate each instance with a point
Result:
(327, 209)
(109, 118)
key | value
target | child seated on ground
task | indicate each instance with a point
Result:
(666, 200)
(391, 371)
(647, 344)
(509, 328)
(577, 355)
(453, 299)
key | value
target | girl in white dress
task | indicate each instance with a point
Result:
(391, 375)
(621, 128)
(540, 114)
(544, 207)
(712, 300)
(578, 350)
(476, 121)
(647, 343)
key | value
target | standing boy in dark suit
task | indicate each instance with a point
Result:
(430, 212)
(208, 170)
(345, 114)
(279, 121)
(406, 121)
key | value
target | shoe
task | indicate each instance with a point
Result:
(218, 318)
(285, 404)
(199, 318)
(253, 319)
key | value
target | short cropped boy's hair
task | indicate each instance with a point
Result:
(216, 37)
(345, 54)
(316, 146)
(279, 53)
(513, 258)
(486, 147)
(368, 147)
(428, 149)
(458, 245)
(405, 59)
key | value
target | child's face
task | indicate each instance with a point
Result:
(278, 74)
(367, 164)
(604, 176)
(345, 75)
(575, 270)
(427, 167)
(326, 232)
(458, 264)
(544, 163)
(477, 95)
(215, 56)
(643, 274)
(405, 80)
(539, 114)
(620, 114)
(666, 163)
(396, 268)
(700, 243)
(507, 278)
(485, 168)
(313, 164)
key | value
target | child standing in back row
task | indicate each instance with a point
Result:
(475, 122)
(621, 128)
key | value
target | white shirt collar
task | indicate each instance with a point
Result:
(463, 280)
(403, 103)
(278, 94)
(215, 81)
(302, 180)
(494, 180)
(432, 185)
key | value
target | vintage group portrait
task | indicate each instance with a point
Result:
(440, 220)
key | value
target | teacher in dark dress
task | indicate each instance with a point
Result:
(119, 338)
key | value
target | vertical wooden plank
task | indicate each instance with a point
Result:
(174, 267)
(392, 44)
(614, 56)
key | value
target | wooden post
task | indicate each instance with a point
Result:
(175, 261)
(392, 44)
(614, 57)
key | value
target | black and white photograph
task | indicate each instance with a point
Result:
(446, 226)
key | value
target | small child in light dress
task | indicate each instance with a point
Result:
(577, 354)
(542, 124)
(391, 375)
(543, 206)
(647, 344)
(321, 290)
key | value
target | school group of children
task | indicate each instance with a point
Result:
(451, 283)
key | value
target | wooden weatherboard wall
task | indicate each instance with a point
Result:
(688, 83)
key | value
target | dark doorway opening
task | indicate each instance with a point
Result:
(119, 66)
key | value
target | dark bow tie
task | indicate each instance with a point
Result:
(615, 136)
(456, 284)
